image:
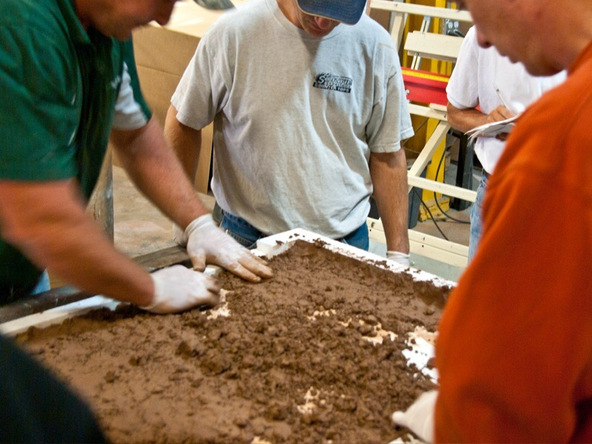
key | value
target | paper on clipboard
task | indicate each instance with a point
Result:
(492, 129)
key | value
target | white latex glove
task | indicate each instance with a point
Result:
(208, 243)
(419, 417)
(178, 288)
(179, 236)
(397, 256)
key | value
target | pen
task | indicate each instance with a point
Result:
(499, 94)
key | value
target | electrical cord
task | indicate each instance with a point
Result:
(415, 130)
(419, 196)
(436, 196)
(430, 213)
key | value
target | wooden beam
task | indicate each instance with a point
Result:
(429, 149)
(425, 245)
(433, 46)
(430, 11)
(442, 188)
(66, 294)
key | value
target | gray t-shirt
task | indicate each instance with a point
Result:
(296, 117)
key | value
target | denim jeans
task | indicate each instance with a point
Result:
(476, 217)
(247, 235)
(42, 284)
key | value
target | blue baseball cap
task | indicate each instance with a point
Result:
(345, 11)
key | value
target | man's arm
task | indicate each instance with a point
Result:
(185, 140)
(154, 168)
(48, 223)
(469, 118)
(156, 171)
(389, 179)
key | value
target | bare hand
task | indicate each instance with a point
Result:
(499, 113)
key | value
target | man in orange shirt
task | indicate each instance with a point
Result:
(514, 351)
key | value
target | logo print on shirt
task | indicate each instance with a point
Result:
(332, 82)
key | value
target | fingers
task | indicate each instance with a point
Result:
(256, 265)
(202, 290)
(243, 263)
(249, 269)
(243, 272)
(198, 261)
(400, 418)
(178, 288)
(209, 244)
(211, 300)
(500, 113)
(212, 285)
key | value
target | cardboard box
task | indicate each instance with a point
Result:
(162, 54)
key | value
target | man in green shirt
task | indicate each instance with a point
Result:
(67, 87)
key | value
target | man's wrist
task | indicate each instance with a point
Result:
(153, 301)
(200, 222)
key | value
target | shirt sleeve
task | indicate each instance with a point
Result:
(131, 110)
(390, 122)
(203, 88)
(39, 87)
(463, 86)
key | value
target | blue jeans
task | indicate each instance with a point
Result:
(247, 235)
(476, 218)
(42, 284)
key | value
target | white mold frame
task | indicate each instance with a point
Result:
(268, 247)
(441, 47)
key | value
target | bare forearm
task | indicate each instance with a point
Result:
(465, 119)
(47, 222)
(156, 171)
(389, 178)
(185, 141)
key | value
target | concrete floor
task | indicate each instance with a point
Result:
(140, 228)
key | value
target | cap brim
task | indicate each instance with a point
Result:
(345, 11)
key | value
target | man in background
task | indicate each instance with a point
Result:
(514, 348)
(486, 87)
(309, 113)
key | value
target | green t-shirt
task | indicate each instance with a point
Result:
(58, 88)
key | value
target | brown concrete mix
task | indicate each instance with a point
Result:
(291, 363)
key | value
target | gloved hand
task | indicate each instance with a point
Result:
(397, 256)
(419, 417)
(208, 243)
(179, 236)
(178, 288)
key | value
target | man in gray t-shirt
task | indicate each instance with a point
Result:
(309, 112)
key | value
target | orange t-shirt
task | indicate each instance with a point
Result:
(514, 350)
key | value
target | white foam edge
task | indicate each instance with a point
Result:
(273, 245)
